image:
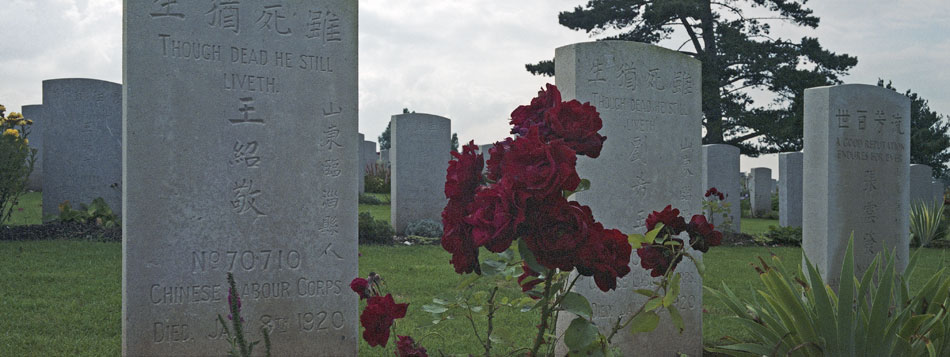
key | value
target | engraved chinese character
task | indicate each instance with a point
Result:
(897, 119)
(597, 71)
(844, 118)
(331, 198)
(870, 181)
(627, 74)
(225, 14)
(332, 133)
(324, 25)
(332, 168)
(245, 196)
(656, 80)
(639, 185)
(246, 109)
(870, 212)
(270, 19)
(870, 242)
(862, 119)
(880, 119)
(167, 8)
(636, 149)
(331, 225)
(329, 250)
(245, 153)
(332, 109)
(682, 82)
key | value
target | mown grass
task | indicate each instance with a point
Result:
(757, 225)
(29, 210)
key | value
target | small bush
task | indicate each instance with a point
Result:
(369, 200)
(377, 178)
(424, 228)
(790, 236)
(98, 212)
(16, 160)
(373, 231)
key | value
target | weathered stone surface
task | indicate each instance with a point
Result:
(420, 143)
(241, 156)
(721, 170)
(790, 189)
(857, 159)
(760, 191)
(384, 156)
(649, 100)
(82, 150)
(35, 113)
(921, 187)
(938, 190)
(369, 155)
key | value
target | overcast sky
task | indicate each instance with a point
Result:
(464, 59)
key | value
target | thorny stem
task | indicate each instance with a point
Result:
(620, 326)
(491, 314)
(545, 311)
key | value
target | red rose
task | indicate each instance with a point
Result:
(670, 217)
(711, 191)
(557, 230)
(496, 155)
(577, 124)
(606, 257)
(657, 259)
(457, 238)
(361, 287)
(540, 169)
(495, 216)
(526, 117)
(378, 317)
(702, 234)
(464, 173)
(528, 273)
(406, 347)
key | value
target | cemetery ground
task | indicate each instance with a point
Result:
(64, 297)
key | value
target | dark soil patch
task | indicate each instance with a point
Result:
(59, 230)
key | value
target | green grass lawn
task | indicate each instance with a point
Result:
(28, 211)
(757, 225)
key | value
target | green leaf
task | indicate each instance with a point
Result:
(644, 322)
(652, 304)
(637, 240)
(468, 281)
(493, 267)
(651, 235)
(672, 290)
(508, 254)
(676, 318)
(577, 304)
(645, 292)
(435, 309)
(580, 334)
(529, 257)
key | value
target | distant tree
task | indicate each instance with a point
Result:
(929, 138)
(738, 57)
(384, 137)
(455, 142)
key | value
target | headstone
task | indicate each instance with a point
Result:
(857, 159)
(773, 188)
(721, 170)
(760, 191)
(362, 167)
(384, 156)
(82, 150)
(419, 145)
(369, 154)
(790, 190)
(35, 113)
(921, 189)
(241, 156)
(938, 190)
(650, 102)
(486, 154)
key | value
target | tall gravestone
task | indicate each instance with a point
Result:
(384, 156)
(921, 189)
(760, 191)
(420, 143)
(82, 150)
(35, 113)
(486, 154)
(721, 170)
(241, 149)
(790, 190)
(649, 100)
(362, 167)
(937, 190)
(857, 159)
(369, 156)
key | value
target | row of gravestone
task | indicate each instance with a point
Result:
(199, 94)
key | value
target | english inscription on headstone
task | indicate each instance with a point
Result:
(790, 190)
(649, 100)
(857, 159)
(420, 143)
(721, 170)
(82, 150)
(241, 156)
(35, 113)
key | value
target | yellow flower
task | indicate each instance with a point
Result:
(14, 115)
(21, 123)
(26, 141)
(29, 122)
(2, 108)
(13, 132)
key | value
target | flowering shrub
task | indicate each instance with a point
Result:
(717, 209)
(16, 159)
(522, 200)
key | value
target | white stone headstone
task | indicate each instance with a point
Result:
(420, 143)
(384, 156)
(35, 113)
(82, 150)
(721, 170)
(857, 159)
(921, 189)
(650, 102)
(241, 149)
(369, 155)
(790, 189)
(760, 191)
(938, 190)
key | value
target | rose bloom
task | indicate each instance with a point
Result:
(577, 124)
(670, 217)
(525, 287)
(361, 287)
(406, 347)
(702, 234)
(379, 315)
(526, 117)
(496, 155)
(464, 173)
(657, 259)
(457, 238)
(495, 216)
(606, 257)
(538, 168)
(556, 230)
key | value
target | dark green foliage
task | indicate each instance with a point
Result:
(424, 228)
(787, 236)
(16, 160)
(774, 198)
(929, 140)
(372, 231)
(98, 212)
(384, 137)
(739, 56)
(455, 142)
(377, 179)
